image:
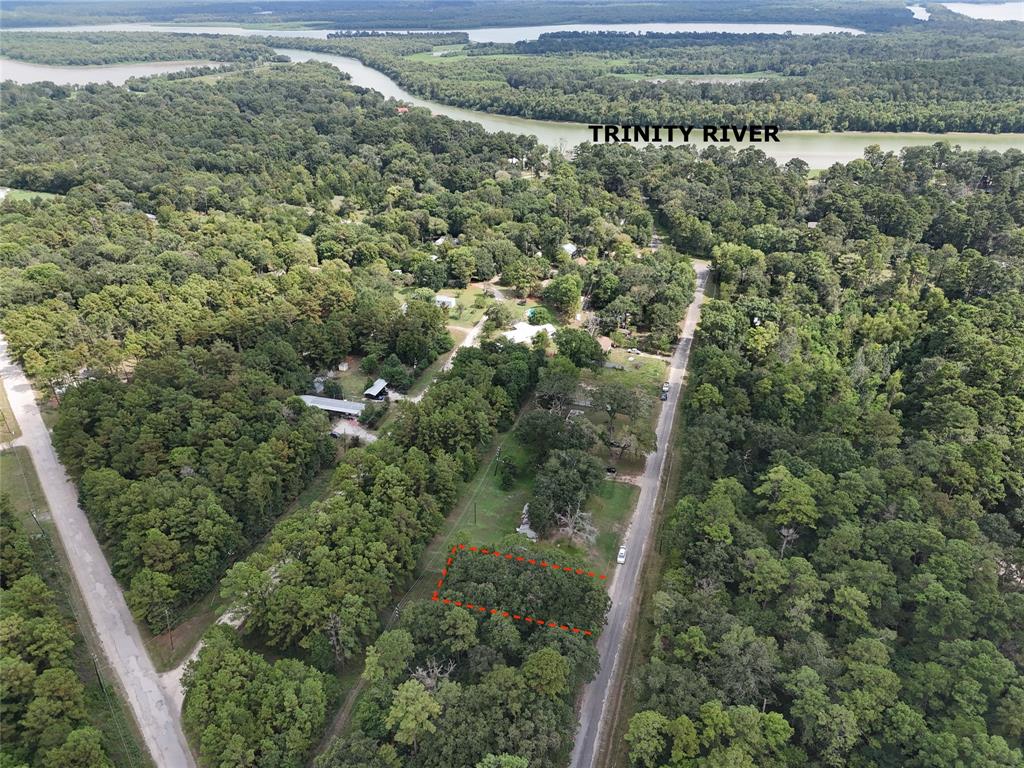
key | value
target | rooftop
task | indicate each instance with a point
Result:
(376, 388)
(347, 407)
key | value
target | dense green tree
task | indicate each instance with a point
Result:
(269, 716)
(579, 347)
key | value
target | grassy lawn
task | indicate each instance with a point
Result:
(491, 511)
(611, 507)
(522, 311)
(353, 381)
(18, 480)
(9, 428)
(466, 314)
(645, 372)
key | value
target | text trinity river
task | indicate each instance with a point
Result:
(818, 150)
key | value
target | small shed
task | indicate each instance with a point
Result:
(569, 248)
(445, 301)
(378, 390)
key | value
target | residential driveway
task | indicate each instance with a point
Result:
(469, 341)
(158, 721)
(353, 429)
(623, 590)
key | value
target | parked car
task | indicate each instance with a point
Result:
(622, 556)
(610, 470)
(664, 395)
(664, 387)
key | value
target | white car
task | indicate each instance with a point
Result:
(622, 556)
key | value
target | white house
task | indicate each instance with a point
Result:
(522, 332)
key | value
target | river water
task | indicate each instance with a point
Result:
(993, 11)
(818, 150)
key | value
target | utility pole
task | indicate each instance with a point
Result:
(170, 631)
(99, 677)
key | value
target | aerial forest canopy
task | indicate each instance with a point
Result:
(84, 48)
(844, 581)
(845, 563)
(454, 686)
(194, 276)
(48, 716)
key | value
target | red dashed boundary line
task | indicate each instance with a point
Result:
(458, 548)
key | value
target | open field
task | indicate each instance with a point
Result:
(27, 194)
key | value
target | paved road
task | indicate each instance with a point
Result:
(600, 693)
(157, 719)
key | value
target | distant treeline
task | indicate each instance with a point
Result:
(115, 47)
(353, 14)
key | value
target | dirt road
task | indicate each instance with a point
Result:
(600, 693)
(157, 719)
